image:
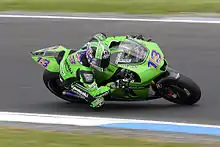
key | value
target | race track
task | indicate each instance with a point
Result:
(193, 49)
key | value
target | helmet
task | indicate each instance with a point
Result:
(98, 55)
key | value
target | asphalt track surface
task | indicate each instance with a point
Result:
(193, 49)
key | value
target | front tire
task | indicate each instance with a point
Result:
(183, 91)
(52, 82)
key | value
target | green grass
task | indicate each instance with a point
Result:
(34, 138)
(122, 6)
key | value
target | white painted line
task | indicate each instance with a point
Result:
(81, 120)
(114, 19)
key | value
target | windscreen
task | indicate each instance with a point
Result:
(132, 52)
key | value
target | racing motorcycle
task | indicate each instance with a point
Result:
(143, 74)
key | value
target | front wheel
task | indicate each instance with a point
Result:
(182, 91)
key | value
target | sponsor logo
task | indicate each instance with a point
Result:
(88, 51)
(125, 60)
(80, 91)
(137, 87)
(79, 56)
(128, 66)
(89, 54)
(88, 77)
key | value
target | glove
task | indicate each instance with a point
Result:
(151, 40)
(138, 36)
(141, 37)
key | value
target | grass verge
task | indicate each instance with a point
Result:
(121, 6)
(25, 138)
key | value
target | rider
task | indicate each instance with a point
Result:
(77, 70)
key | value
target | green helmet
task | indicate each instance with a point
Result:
(98, 55)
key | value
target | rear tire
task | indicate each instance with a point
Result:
(187, 91)
(51, 81)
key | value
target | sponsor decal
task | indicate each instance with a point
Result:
(88, 77)
(129, 66)
(79, 56)
(72, 59)
(88, 51)
(137, 87)
(80, 91)
(89, 54)
(125, 60)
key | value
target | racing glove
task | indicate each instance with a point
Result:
(141, 37)
(138, 36)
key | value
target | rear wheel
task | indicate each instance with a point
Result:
(182, 91)
(52, 82)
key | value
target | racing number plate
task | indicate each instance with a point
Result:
(43, 62)
(154, 59)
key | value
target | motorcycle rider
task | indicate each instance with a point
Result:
(77, 70)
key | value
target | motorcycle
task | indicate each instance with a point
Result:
(143, 74)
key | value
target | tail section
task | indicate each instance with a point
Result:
(49, 58)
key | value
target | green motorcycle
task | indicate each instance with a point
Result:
(143, 73)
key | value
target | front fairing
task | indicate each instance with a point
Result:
(147, 61)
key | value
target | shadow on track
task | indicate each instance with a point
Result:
(117, 108)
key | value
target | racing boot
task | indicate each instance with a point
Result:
(97, 103)
(76, 92)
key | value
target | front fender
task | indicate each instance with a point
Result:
(172, 73)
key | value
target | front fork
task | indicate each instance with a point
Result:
(170, 76)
